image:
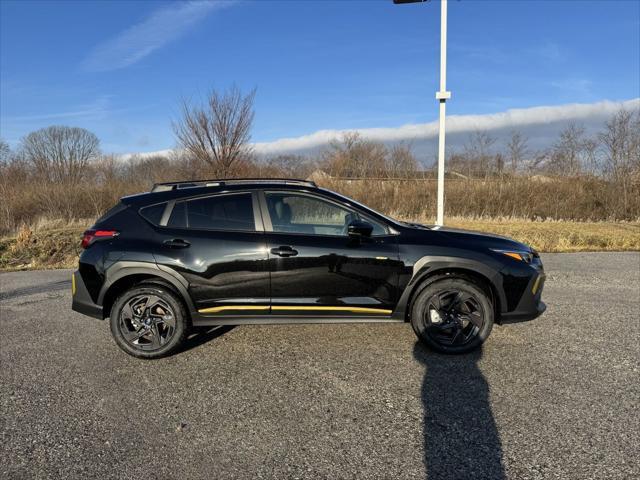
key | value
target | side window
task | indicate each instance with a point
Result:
(220, 212)
(306, 214)
(153, 213)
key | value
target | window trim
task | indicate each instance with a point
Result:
(268, 226)
(255, 206)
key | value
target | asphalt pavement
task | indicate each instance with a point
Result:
(554, 398)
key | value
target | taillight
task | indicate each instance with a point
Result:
(90, 236)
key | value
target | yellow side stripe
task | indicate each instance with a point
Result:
(335, 309)
(294, 307)
(73, 284)
(233, 307)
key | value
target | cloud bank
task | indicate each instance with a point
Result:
(136, 42)
(540, 124)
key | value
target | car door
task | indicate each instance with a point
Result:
(217, 243)
(316, 268)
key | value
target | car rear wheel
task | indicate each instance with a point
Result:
(452, 315)
(148, 321)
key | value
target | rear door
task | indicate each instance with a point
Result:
(317, 269)
(217, 243)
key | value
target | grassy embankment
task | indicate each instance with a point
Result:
(52, 245)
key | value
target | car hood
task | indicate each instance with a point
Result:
(479, 239)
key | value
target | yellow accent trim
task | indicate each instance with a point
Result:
(73, 284)
(339, 309)
(294, 307)
(536, 284)
(233, 307)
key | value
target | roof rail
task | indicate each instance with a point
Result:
(167, 186)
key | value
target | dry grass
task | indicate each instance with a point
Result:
(561, 236)
(51, 244)
(41, 249)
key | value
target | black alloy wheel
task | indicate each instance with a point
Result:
(148, 321)
(452, 315)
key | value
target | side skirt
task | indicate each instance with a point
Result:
(203, 321)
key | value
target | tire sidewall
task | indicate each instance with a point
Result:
(454, 283)
(179, 314)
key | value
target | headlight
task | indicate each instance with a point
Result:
(517, 254)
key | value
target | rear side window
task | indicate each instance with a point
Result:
(220, 212)
(153, 213)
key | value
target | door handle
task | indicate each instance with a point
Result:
(284, 251)
(176, 243)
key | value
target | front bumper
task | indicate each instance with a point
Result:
(531, 305)
(81, 300)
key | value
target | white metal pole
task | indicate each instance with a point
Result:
(442, 97)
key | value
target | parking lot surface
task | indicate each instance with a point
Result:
(557, 397)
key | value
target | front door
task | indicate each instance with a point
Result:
(317, 269)
(217, 243)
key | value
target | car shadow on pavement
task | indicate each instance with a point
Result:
(201, 335)
(461, 440)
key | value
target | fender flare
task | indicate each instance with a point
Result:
(431, 264)
(122, 269)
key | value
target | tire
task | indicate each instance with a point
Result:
(463, 320)
(149, 321)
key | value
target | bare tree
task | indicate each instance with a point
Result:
(289, 165)
(621, 145)
(5, 152)
(401, 162)
(567, 152)
(591, 157)
(517, 150)
(59, 153)
(218, 133)
(478, 152)
(353, 156)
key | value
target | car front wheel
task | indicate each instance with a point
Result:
(148, 321)
(452, 315)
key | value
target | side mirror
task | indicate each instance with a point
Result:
(359, 229)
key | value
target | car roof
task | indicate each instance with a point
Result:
(160, 187)
(162, 192)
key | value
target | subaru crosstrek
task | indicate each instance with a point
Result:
(246, 251)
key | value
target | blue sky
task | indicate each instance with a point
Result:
(120, 68)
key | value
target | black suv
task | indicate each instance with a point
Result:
(246, 251)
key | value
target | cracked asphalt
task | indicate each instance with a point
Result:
(555, 398)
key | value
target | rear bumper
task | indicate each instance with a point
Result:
(81, 300)
(531, 305)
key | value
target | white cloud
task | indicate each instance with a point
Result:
(540, 125)
(523, 119)
(136, 42)
(96, 109)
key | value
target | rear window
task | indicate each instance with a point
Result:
(119, 207)
(153, 213)
(220, 212)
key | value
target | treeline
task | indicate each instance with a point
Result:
(60, 172)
